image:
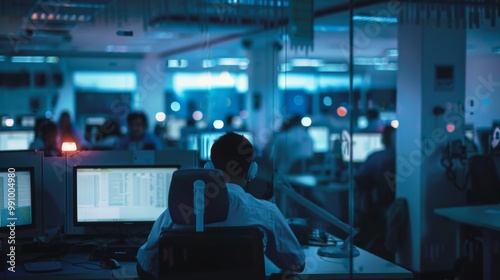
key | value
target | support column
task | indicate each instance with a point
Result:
(263, 97)
(150, 88)
(431, 75)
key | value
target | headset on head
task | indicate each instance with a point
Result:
(252, 170)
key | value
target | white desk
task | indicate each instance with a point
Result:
(366, 265)
(486, 217)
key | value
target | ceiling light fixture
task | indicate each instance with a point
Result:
(177, 63)
(27, 59)
(370, 60)
(333, 67)
(375, 19)
(208, 63)
(391, 52)
(232, 61)
(306, 62)
(387, 67)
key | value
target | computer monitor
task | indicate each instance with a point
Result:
(208, 138)
(12, 140)
(362, 145)
(321, 137)
(120, 194)
(17, 197)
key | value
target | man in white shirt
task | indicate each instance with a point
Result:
(233, 154)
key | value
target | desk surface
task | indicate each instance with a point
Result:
(75, 266)
(487, 216)
(316, 182)
(366, 265)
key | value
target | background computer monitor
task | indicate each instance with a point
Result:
(12, 140)
(120, 194)
(17, 197)
(27, 164)
(63, 189)
(321, 137)
(362, 145)
(208, 138)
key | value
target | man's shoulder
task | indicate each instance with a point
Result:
(249, 202)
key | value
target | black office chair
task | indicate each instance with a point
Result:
(216, 252)
(485, 180)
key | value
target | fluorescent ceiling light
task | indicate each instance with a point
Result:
(208, 63)
(375, 19)
(306, 62)
(331, 28)
(334, 67)
(95, 121)
(370, 60)
(177, 63)
(285, 67)
(124, 48)
(52, 59)
(27, 59)
(233, 61)
(392, 52)
(160, 35)
(387, 67)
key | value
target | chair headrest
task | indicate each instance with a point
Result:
(181, 195)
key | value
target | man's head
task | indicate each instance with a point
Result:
(137, 123)
(233, 153)
(388, 136)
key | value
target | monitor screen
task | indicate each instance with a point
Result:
(320, 136)
(362, 144)
(121, 194)
(16, 197)
(16, 140)
(208, 138)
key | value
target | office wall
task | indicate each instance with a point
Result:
(482, 90)
(31, 99)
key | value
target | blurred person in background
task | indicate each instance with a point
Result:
(374, 194)
(138, 138)
(46, 138)
(291, 145)
(108, 135)
(68, 132)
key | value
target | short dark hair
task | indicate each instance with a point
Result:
(137, 115)
(232, 153)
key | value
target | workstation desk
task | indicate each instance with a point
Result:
(485, 217)
(365, 266)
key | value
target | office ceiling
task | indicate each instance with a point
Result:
(92, 28)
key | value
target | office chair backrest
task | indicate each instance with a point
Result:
(223, 253)
(181, 194)
(484, 180)
(217, 252)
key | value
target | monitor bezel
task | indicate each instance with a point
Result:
(109, 223)
(34, 220)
